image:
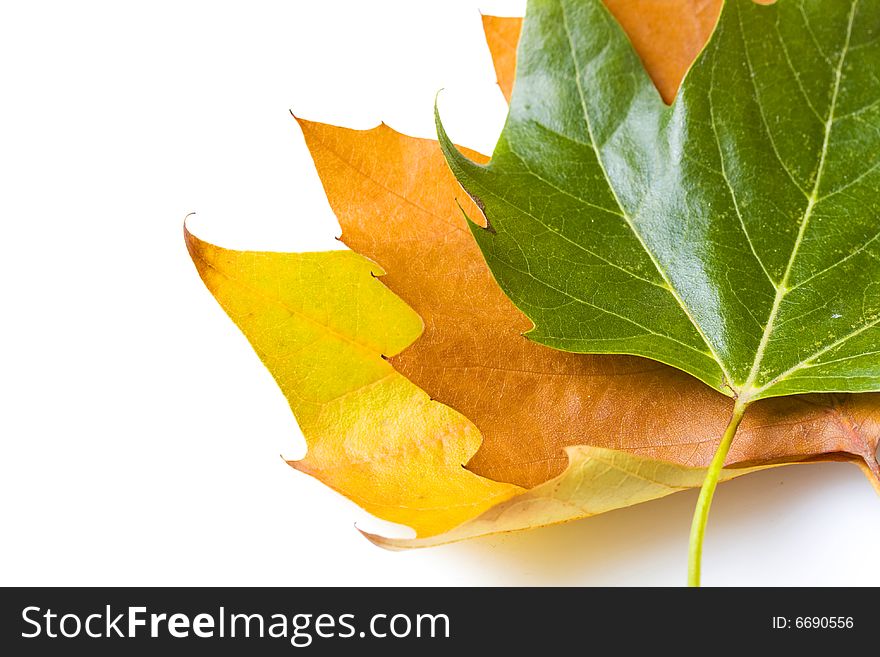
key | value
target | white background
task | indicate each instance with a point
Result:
(140, 435)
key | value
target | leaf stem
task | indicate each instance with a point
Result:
(704, 502)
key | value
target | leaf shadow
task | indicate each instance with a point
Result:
(647, 544)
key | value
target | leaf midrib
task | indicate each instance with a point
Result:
(747, 389)
(727, 378)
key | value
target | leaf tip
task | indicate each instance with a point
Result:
(441, 131)
(193, 243)
(379, 541)
(304, 125)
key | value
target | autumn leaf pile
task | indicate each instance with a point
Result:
(407, 369)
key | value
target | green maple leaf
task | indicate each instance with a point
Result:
(734, 234)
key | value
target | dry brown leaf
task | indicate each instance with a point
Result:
(395, 200)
